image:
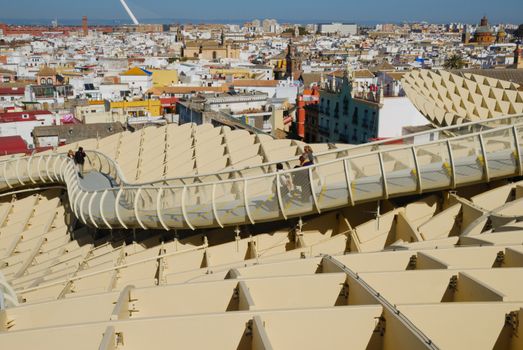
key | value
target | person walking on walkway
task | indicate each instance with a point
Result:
(79, 159)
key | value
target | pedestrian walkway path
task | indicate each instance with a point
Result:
(104, 199)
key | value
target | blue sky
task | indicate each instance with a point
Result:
(361, 11)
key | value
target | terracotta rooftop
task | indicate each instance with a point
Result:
(253, 82)
(46, 71)
(363, 74)
(186, 89)
(383, 67)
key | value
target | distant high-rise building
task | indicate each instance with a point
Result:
(85, 28)
(270, 26)
(387, 27)
(465, 37)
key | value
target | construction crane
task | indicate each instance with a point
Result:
(129, 12)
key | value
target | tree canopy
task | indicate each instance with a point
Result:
(454, 62)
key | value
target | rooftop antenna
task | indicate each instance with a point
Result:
(129, 12)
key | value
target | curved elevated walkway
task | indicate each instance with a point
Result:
(104, 199)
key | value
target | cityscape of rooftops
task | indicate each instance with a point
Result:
(261, 175)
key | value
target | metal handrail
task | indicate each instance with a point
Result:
(444, 130)
(232, 170)
(78, 194)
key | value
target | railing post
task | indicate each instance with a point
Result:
(29, 161)
(5, 175)
(117, 211)
(278, 193)
(18, 172)
(484, 155)
(518, 150)
(75, 199)
(66, 175)
(135, 207)
(417, 169)
(383, 176)
(38, 164)
(159, 210)
(246, 202)
(82, 215)
(313, 192)
(91, 200)
(184, 209)
(452, 165)
(346, 166)
(214, 209)
(64, 162)
(102, 199)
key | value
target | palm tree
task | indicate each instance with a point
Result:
(454, 62)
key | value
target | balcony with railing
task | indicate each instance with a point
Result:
(367, 95)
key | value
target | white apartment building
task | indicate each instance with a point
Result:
(343, 29)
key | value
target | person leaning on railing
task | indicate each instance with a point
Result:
(307, 158)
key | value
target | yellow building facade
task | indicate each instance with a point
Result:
(164, 77)
(137, 108)
(236, 73)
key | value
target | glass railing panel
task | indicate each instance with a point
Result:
(125, 202)
(400, 171)
(500, 146)
(229, 202)
(22, 168)
(45, 167)
(296, 191)
(55, 167)
(83, 206)
(146, 206)
(330, 185)
(435, 165)
(367, 180)
(4, 178)
(107, 206)
(198, 205)
(32, 170)
(262, 198)
(94, 212)
(469, 163)
(171, 207)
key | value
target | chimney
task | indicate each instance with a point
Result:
(85, 28)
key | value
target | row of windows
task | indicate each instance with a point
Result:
(11, 98)
(47, 81)
(327, 109)
(365, 122)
